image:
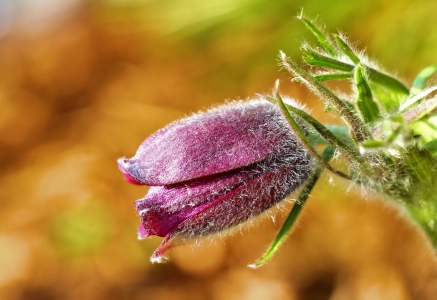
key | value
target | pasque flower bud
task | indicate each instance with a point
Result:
(214, 170)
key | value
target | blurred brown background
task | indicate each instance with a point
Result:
(84, 82)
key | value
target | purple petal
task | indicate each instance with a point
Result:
(121, 162)
(222, 139)
(235, 207)
(242, 203)
(142, 232)
(165, 208)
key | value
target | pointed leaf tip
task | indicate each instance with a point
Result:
(327, 154)
(368, 108)
(344, 47)
(324, 41)
(422, 78)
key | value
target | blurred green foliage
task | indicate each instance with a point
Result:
(401, 35)
(80, 231)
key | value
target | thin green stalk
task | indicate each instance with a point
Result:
(315, 59)
(368, 108)
(359, 131)
(421, 78)
(417, 97)
(387, 81)
(344, 47)
(323, 40)
(327, 155)
(420, 110)
(333, 76)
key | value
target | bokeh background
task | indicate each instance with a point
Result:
(84, 82)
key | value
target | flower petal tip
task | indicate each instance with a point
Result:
(142, 232)
(160, 254)
(123, 164)
(158, 259)
(253, 266)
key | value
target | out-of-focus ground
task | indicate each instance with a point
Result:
(83, 83)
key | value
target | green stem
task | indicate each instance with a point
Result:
(349, 153)
(344, 47)
(304, 140)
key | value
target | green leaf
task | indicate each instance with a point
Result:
(359, 132)
(388, 100)
(321, 37)
(421, 78)
(426, 128)
(333, 76)
(374, 144)
(387, 81)
(313, 58)
(432, 147)
(350, 151)
(342, 133)
(327, 155)
(422, 164)
(394, 135)
(344, 47)
(368, 108)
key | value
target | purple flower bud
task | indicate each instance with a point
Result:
(214, 170)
